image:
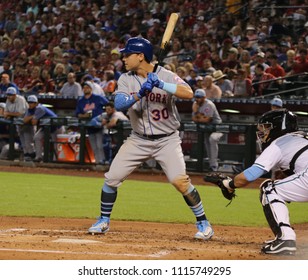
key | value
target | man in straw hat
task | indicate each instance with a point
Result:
(223, 82)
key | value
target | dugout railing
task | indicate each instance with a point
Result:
(238, 146)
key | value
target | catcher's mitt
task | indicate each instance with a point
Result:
(217, 178)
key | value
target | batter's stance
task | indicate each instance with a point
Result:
(150, 101)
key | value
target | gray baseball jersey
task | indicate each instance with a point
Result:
(20, 105)
(209, 109)
(157, 113)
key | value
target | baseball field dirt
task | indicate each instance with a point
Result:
(40, 238)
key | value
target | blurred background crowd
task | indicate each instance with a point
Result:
(227, 47)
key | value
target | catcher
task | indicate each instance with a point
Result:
(284, 147)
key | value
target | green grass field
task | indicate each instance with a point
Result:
(24, 194)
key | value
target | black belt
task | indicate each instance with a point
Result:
(153, 137)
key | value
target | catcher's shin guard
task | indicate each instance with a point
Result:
(267, 198)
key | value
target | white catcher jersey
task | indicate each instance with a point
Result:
(281, 151)
(155, 113)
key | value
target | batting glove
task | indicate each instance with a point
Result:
(145, 89)
(153, 78)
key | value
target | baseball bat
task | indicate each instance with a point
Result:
(166, 37)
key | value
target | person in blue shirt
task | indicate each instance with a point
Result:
(34, 116)
(6, 83)
(90, 106)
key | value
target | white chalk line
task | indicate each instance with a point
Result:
(154, 255)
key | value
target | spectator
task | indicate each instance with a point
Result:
(207, 68)
(6, 65)
(245, 58)
(236, 35)
(4, 50)
(242, 84)
(66, 62)
(223, 83)
(34, 117)
(259, 81)
(188, 53)
(59, 76)
(116, 60)
(289, 63)
(202, 54)
(212, 91)
(192, 79)
(71, 89)
(301, 63)
(231, 62)
(200, 27)
(48, 82)
(90, 106)
(181, 72)
(252, 36)
(65, 44)
(15, 50)
(225, 49)
(275, 69)
(109, 83)
(6, 84)
(205, 111)
(35, 83)
(78, 70)
(259, 59)
(244, 45)
(172, 55)
(282, 53)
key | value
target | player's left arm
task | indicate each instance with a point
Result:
(38, 114)
(241, 180)
(181, 90)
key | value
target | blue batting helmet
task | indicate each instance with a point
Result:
(139, 45)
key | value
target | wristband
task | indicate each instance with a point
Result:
(169, 88)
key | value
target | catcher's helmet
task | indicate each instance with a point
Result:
(274, 124)
(139, 45)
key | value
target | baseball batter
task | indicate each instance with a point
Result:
(150, 101)
(286, 148)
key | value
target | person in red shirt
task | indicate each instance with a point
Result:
(275, 69)
(301, 64)
(258, 81)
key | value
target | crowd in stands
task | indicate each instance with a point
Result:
(227, 47)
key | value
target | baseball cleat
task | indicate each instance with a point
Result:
(205, 231)
(101, 226)
(270, 241)
(280, 247)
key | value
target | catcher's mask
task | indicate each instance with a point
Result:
(274, 124)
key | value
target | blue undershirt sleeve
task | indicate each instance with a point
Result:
(122, 102)
(254, 172)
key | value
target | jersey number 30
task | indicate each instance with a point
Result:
(157, 114)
